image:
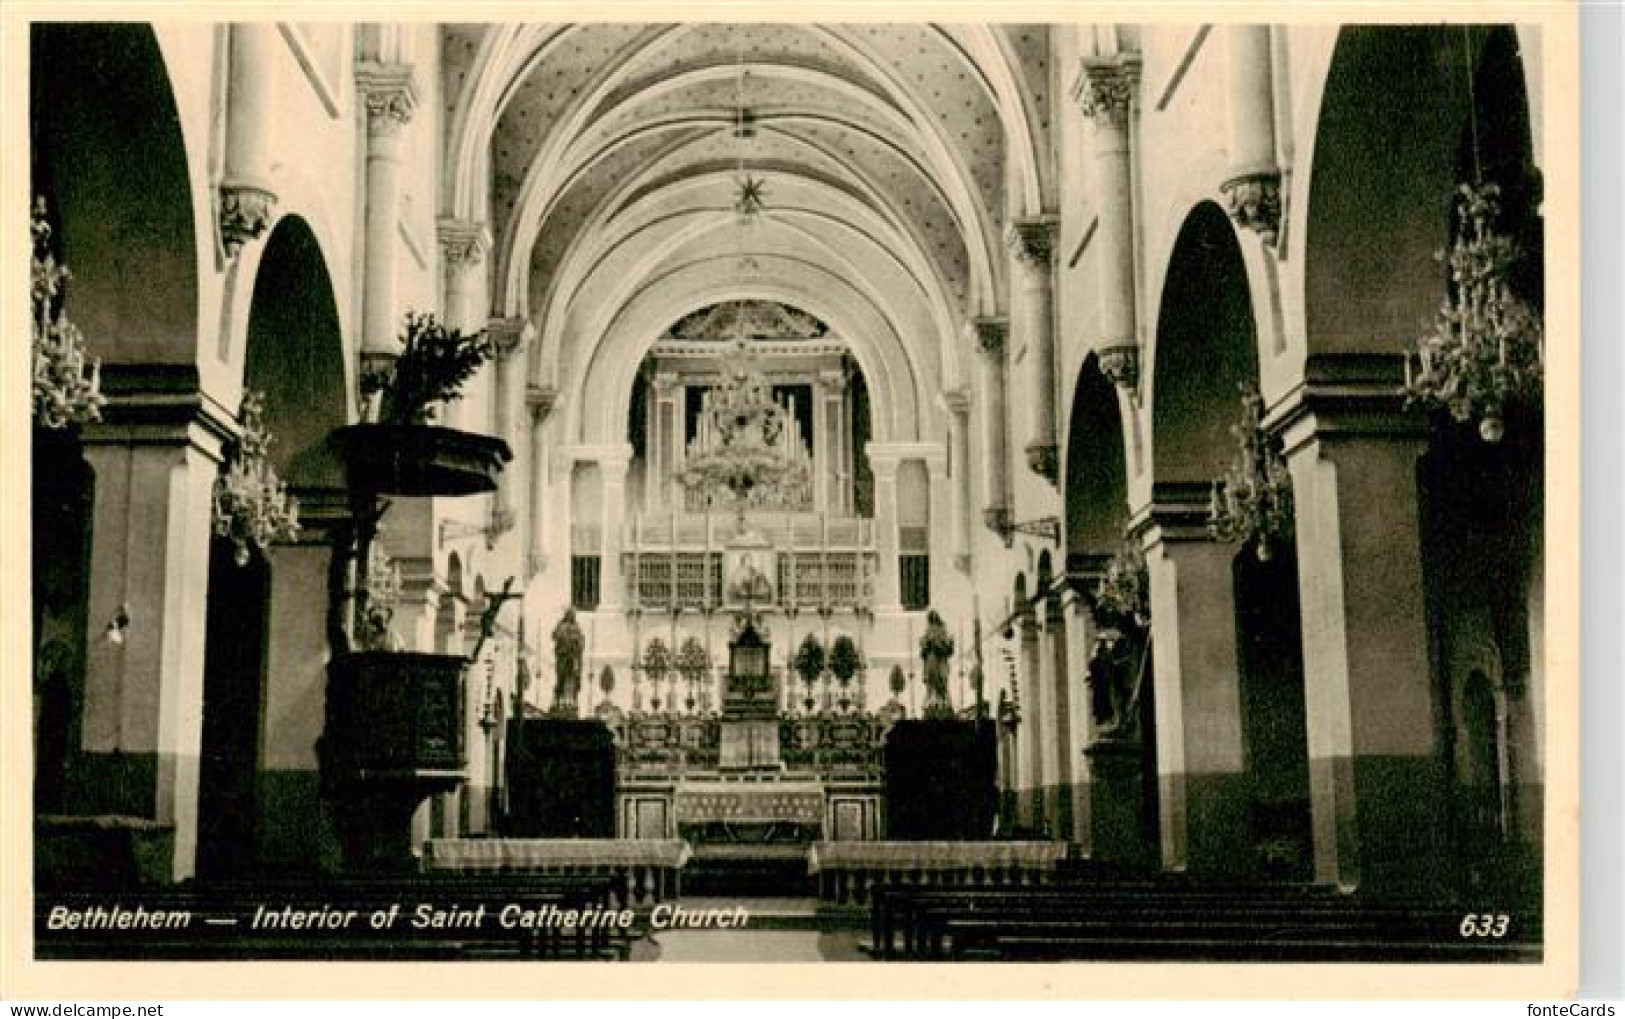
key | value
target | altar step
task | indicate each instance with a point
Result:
(735, 871)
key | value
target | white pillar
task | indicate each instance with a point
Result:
(462, 251)
(540, 400)
(247, 200)
(511, 338)
(1253, 190)
(1105, 92)
(990, 334)
(963, 497)
(888, 592)
(612, 488)
(390, 98)
(1031, 243)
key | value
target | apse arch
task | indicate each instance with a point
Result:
(294, 355)
(109, 157)
(606, 384)
(1205, 351)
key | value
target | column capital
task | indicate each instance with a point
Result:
(246, 211)
(664, 382)
(989, 331)
(1254, 203)
(540, 400)
(1120, 362)
(389, 93)
(1105, 86)
(958, 401)
(462, 241)
(612, 460)
(509, 334)
(1032, 239)
(832, 381)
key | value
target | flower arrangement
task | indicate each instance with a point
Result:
(433, 366)
(252, 506)
(67, 380)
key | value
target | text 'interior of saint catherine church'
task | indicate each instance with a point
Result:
(818, 462)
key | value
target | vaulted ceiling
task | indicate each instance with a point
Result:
(606, 158)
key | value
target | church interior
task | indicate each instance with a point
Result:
(985, 491)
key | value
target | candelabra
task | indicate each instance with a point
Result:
(251, 505)
(1484, 351)
(1254, 501)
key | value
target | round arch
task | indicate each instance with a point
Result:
(110, 159)
(1096, 466)
(295, 355)
(1394, 137)
(1206, 349)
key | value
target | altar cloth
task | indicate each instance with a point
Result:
(904, 856)
(797, 802)
(552, 854)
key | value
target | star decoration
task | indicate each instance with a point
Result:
(752, 192)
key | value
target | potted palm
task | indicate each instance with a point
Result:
(844, 662)
(809, 665)
(398, 449)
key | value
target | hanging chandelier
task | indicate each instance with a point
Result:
(252, 506)
(747, 444)
(1484, 351)
(67, 381)
(1254, 501)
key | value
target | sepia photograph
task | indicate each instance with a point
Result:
(772, 492)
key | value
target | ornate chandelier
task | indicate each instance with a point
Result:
(67, 381)
(1484, 352)
(1254, 501)
(747, 442)
(252, 506)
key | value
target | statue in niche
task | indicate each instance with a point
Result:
(567, 645)
(936, 647)
(1116, 672)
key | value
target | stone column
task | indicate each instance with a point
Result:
(1200, 756)
(829, 396)
(990, 334)
(612, 476)
(963, 498)
(540, 400)
(1062, 696)
(1377, 777)
(462, 250)
(296, 690)
(1253, 190)
(1051, 732)
(1034, 721)
(939, 518)
(660, 485)
(155, 456)
(1105, 91)
(888, 591)
(390, 98)
(511, 338)
(247, 200)
(1031, 242)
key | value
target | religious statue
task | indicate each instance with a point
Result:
(567, 645)
(936, 647)
(1116, 671)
